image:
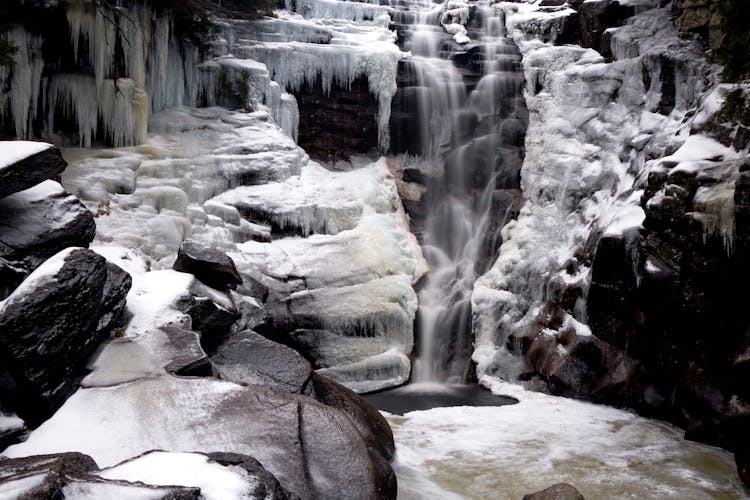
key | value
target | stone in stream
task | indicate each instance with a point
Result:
(559, 491)
(248, 358)
(210, 266)
(24, 164)
(52, 323)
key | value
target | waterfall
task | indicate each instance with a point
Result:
(464, 88)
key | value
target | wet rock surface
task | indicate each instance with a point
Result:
(210, 266)
(52, 323)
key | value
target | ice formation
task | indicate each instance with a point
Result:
(236, 182)
(593, 127)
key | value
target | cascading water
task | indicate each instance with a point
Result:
(470, 123)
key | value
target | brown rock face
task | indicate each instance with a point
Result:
(560, 491)
(339, 124)
(680, 315)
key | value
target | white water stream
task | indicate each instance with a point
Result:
(507, 451)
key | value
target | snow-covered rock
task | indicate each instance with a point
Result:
(24, 164)
(312, 450)
(39, 222)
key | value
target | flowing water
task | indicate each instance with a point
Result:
(469, 123)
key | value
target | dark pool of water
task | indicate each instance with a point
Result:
(415, 397)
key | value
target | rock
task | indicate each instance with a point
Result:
(559, 491)
(266, 485)
(72, 475)
(248, 358)
(168, 349)
(366, 418)
(313, 450)
(339, 123)
(610, 304)
(212, 313)
(37, 223)
(53, 322)
(212, 267)
(24, 164)
(11, 275)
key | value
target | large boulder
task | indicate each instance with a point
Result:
(24, 164)
(248, 358)
(313, 450)
(366, 418)
(52, 323)
(210, 266)
(40, 221)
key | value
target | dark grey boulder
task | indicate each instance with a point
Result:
(52, 323)
(248, 358)
(29, 171)
(366, 418)
(71, 475)
(210, 266)
(37, 223)
(559, 491)
(266, 486)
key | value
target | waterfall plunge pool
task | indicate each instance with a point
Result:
(504, 452)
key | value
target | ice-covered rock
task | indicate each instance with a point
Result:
(52, 323)
(586, 159)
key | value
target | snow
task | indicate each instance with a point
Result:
(41, 275)
(509, 451)
(17, 488)
(217, 482)
(700, 147)
(152, 300)
(14, 151)
(9, 422)
(90, 490)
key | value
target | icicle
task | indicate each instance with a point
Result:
(74, 97)
(25, 76)
(715, 210)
